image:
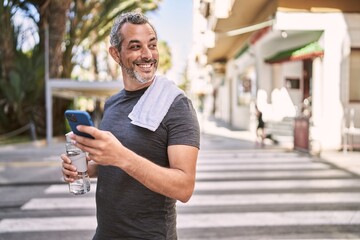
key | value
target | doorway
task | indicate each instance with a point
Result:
(307, 78)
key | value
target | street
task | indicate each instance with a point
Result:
(242, 192)
(269, 91)
(270, 195)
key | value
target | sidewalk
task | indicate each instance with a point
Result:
(349, 161)
(39, 163)
(216, 135)
(32, 163)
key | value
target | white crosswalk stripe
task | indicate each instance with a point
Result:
(270, 198)
(60, 203)
(208, 200)
(263, 166)
(269, 175)
(47, 224)
(235, 194)
(278, 184)
(192, 221)
(268, 219)
(64, 188)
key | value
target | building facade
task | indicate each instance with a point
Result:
(297, 61)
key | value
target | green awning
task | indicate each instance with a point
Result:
(242, 51)
(308, 51)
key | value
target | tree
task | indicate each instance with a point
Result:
(89, 22)
(21, 72)
(22, 78)
(165, 57)
(71, 24)
(7, 35)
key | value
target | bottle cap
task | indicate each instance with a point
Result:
(67, 136)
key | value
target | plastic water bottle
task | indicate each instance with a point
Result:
(81, 185)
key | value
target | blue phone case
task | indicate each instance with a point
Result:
(77, 117)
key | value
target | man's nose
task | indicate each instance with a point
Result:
(146, 53)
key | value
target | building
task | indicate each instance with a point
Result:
(298, 61)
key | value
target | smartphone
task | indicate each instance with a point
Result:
(77, 117)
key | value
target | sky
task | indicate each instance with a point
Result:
(173, 23)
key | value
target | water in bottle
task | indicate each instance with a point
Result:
(81, 185)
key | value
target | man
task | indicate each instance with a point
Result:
(141, 172)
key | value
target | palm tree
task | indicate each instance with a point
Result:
(88, 23)
(21, 72)
(71, 23)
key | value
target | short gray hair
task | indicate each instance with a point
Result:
(134, 17)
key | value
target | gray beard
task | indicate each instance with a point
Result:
(134, 75)
(140, 79)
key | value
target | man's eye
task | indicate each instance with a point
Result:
(153, 46)
(135, 47)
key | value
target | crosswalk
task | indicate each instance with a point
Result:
(244, 194)
(270, 195)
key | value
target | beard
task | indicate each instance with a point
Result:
(133, 74)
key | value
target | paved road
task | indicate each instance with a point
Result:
(242, 192)
(270, 194)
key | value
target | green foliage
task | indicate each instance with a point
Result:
(22, 90)
(165, 57)
(22, 74)
(90, 22)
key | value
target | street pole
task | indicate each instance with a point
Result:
(48, 94)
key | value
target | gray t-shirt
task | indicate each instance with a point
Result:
(126, 209)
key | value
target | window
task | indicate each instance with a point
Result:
(354, 85)
(292, 83)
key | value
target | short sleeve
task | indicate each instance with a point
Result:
(182, 124)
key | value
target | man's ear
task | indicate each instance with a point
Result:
(114, 54)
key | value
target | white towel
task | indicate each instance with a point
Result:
(153, 105)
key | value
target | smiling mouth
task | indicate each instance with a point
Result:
(146, 65)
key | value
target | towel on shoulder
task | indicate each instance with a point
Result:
(153, 105)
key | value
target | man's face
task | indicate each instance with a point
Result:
(138, 54)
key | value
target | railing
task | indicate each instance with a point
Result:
(349, 131)
(30, 126)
